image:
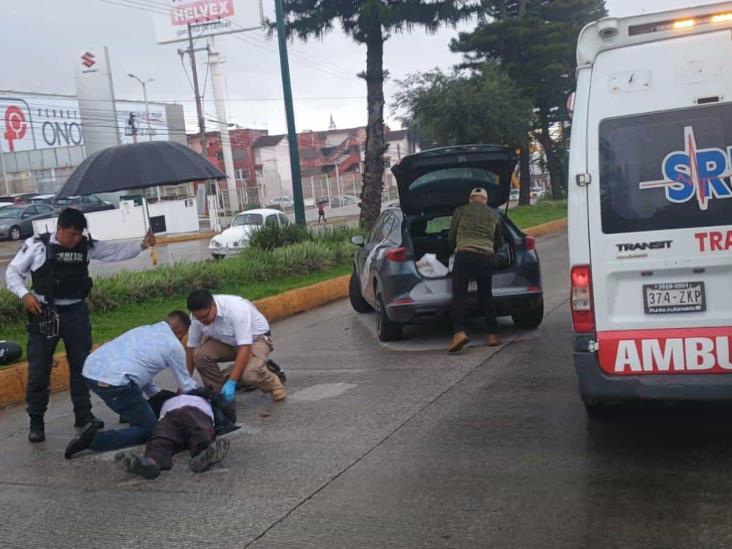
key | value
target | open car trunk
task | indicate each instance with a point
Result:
(429, 235)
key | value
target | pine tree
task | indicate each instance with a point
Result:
(535, 42)
(371, 22)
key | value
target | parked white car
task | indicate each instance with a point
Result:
(233, 240)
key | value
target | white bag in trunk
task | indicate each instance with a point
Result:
(429, 266)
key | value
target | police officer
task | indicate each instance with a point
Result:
(58, 265)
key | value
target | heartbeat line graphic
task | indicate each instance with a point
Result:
(693, 179)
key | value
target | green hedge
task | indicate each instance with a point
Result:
(252, 265)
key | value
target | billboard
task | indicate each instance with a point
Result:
(31, 122)
(206, 18)
(132, 121)
(38, 122)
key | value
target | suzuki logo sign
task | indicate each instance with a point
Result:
(16, 126)
(88, 60)
(701, 174)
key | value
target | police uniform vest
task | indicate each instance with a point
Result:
(65, 273)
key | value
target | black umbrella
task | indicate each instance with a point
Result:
(139, 166)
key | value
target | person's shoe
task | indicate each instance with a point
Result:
(91, 418)
(458, 341)
(137, 465)
(82, 442)
(37, 432)
(213, 454)
(273, 367)
(492, 340)
(279, 393)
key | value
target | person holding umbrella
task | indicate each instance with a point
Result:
(58, 266)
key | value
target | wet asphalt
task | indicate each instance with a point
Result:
(398, 445)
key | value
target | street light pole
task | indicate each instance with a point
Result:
(144, 84)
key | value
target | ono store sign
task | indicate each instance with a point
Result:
(28, 124)
(40, 122)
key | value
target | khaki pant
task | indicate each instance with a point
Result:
(207, 356)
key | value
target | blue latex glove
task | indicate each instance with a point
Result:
(228, 390)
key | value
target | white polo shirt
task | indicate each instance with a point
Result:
(238, 322)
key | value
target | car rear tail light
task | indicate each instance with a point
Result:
(583, 317)
(529, 243)
(398, 255)
(403, 301)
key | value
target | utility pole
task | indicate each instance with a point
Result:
(191, 51)
(290, 114)
(199, 107)
(218, 89)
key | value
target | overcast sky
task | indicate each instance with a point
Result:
(43, 39)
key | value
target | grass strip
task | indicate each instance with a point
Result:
(542, 212)
(107, 325)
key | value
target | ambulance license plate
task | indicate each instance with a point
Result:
(674, 297)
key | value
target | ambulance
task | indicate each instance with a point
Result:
(650, 208)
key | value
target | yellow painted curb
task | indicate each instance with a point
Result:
(279, 307)
(547, 228)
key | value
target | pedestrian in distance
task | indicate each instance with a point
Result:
(475, 234)
(190, 422)
(58, 267)
(228, 328)
(121, 373)
(321, 212)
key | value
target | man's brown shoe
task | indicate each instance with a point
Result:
(279, 393)
(457, 342)
(492, 340)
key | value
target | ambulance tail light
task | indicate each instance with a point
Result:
(583, 316)
(398, 255)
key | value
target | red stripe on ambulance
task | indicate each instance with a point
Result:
(682, 351)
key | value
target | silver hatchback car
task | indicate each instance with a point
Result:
(389, 274)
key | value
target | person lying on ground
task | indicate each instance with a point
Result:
(121, 373)
(187, 422)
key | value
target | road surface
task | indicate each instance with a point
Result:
(397, 445)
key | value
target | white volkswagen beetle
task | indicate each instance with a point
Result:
(234, 239)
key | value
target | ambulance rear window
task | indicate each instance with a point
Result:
(666, 170)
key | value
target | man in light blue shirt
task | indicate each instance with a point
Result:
(121, 373)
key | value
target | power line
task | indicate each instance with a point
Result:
(316, 63)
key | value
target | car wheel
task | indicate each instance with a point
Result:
(15, 233)
(529, 319)
(359, 304)
(217, 257)
(386, 330)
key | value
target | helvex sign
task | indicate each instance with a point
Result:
(201, 12)
(678, 351)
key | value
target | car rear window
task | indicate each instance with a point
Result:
(247, 219)
(465, 177)
(666, 170)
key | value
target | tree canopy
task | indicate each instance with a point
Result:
(370, 22)
(460, 108)
(535, 42)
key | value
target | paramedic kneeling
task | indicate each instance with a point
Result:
(121, 373)
(235, 330)
(475, 234)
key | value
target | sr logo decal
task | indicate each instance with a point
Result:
(695, 173)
